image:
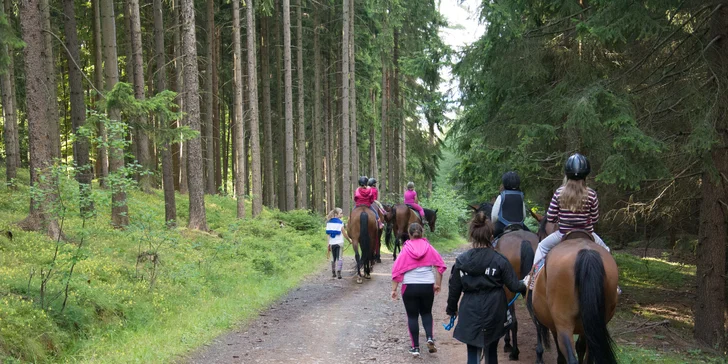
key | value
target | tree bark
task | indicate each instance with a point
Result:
(102, 159)
(179, 76)
(355, 170)
(329, 143)
(119, 209)
(239, 137)
(253, 92)
(384, 183)
(41, 216)
(302, 196)
(10, 115)
(373, 141)
(145, 179)
(160, 81)
(196, 185)
(319, 176)
(280, 124)
(395, 124)
(268, 176)
(345, 146)
(288, 96)
(209, 164)
(51, 82)
(84, 172)
(713, 232)
(216, 112)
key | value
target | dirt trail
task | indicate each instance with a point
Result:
(329, 320)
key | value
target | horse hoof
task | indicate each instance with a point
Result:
(379, 260)
(514, 355)
(508, 348)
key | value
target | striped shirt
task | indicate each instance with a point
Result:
(569, 220)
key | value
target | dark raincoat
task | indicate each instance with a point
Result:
(480, 274)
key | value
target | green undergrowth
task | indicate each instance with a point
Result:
(632, 354)
(146, 293)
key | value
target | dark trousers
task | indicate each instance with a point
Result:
(491, 355)
(418, 300)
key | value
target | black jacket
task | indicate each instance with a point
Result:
(480, 274)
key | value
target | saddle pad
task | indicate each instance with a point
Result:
(536, 272)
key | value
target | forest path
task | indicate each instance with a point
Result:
(328, 320)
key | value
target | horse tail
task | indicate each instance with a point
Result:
(589, 275)
(527, 256)
(388, 238)
(364, 238)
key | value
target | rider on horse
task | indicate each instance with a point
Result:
(509, 208)
(375, 193)
(410, 198)
(364, 196)
(574, 206)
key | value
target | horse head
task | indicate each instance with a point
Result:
(431, 218)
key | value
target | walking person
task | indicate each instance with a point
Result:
(419, 268)
(479, 275)
(336, 232)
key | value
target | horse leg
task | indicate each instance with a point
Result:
(565, 342)
(539, 344)
(514, 332)
(378, 257)
(581, 348)
(507, 348)
(357, 258)
(560, 359)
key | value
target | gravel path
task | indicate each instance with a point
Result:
(329, 320)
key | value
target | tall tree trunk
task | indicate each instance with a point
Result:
(119, 209)
(145, 179)
(160, 81)
(319, 177)
(10, 133)
(373, 140)
(329, 143)
(280, 125)
(209, 163)
(396, 123)
(238, 102)
(431, 143)
(41, 216)
(84, 173)
(345, 82)
(713, 233)
(216, 112)
(355, 170)
(302, 196)
(196, 185)
(227, 131)
(51, 82)
(253, 92)
(268, 177)
(102, 159)
(179, 76)
(288, 96)
(385, 182)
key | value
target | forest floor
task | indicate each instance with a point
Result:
(326, 320)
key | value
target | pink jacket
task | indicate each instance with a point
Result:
(363, 196)
(416, 253)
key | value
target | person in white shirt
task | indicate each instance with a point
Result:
(336, 232)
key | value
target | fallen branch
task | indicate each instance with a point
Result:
(664, 323)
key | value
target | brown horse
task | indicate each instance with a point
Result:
(575, 293)
(363, 231)
(400, 218)
(518, 247)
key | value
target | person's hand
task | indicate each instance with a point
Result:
(394, 295)
(437, 288)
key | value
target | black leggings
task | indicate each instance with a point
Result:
(490, 358)
(418, 300)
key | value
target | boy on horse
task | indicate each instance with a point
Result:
(410, 198)
(364, 196)
(574, 206)
(509, 208)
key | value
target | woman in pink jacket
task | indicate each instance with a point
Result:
(420, 282)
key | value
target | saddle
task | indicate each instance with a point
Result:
(506, 230)
(415, 211)
(578, 234)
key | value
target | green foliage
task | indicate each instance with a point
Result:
(452, 212)
(125, 309)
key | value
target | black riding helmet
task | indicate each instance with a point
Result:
(577, 167)
(372, 182)
(511, 181)
(363, 180)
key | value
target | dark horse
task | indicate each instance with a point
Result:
(400, 218)
(363, 231)
(575, 293)
(518, 246)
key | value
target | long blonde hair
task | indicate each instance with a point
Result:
(574, 195)
(336, 212)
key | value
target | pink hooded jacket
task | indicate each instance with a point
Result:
(416, 253)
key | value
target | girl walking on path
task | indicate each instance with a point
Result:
(479, 275)
(336, 232)
(420, 283)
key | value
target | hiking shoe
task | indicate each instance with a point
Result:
(415, 352)
(338, 274)
(431, 345)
